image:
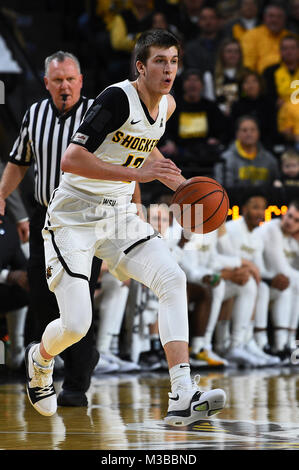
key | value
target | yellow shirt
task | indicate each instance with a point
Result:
(283, 79)
(288, 117)
(261, 48)
(238, 31)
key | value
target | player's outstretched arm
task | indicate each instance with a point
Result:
(80, 161)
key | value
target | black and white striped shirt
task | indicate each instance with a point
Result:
(43, 138)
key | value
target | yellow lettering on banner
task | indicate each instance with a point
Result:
(193, 125)
(234, 212)
(271, 210)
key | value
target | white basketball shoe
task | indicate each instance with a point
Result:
(189, 404)
(40, 388)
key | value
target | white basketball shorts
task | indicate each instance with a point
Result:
(79, 227)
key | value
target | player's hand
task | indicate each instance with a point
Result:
(238, 275)
(280, 282)
(23, 231)
(159, 169)
(253, 269)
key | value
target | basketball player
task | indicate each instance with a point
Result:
(244, 241)
(231, 279)
(91, 213)
(281, 255)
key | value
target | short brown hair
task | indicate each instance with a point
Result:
(155, 38)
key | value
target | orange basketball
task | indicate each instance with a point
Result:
(200, 204)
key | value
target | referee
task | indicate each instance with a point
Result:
(46, 130)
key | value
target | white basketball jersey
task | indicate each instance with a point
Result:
(129, 145)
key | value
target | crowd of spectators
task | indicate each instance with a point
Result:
(238, 58)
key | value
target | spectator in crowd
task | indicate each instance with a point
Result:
(289, 163)
(160, 21)
(280, 237)
(293, 16)
(226, 9)
(197, 126)
(10, 69)
(279, 77)
(201, 52)
(93, 42)
(14, 290)
(246, 162)
(124, 29)
(244, 242)
(188, 18)
(253, 102)
(288, 120)
(227, 75)
(246, 20)
(261, 45)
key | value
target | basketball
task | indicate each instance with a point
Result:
(200, 204)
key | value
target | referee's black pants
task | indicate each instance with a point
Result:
(12, 297)
(80, 358)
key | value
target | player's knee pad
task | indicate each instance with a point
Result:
(173, 314)
(169, 282)
(77, 330)
(73, 297)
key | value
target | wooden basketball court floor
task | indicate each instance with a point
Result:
(126, 412)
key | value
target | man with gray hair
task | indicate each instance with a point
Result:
(46, 130)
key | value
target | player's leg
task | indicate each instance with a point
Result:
(73, 297)
(201, 346)
(152, 264)
(280, 315)
(201, 298)
(111, 307)
(81, 358)
(242, 309)
(222, 330)
(261, 315)
(245, 297)
(258, 327)
(294, 317)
